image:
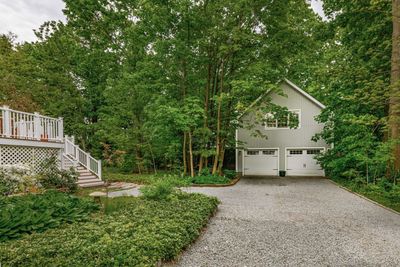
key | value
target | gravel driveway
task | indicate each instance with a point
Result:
(266, 221)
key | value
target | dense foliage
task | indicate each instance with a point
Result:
(52, 177)
(159, 84)
(354, 82)
(139, 233)
(28, 214)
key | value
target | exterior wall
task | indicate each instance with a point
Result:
(285, 138)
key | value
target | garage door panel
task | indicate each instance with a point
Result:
(302, 162)
(261, 162)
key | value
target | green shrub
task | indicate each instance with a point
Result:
(52, 177)
(141, 234)
(163, 187)
(204, 172)
(230, 174)
(36, 213)
(158, 191)
(16, 178)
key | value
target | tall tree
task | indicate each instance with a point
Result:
(394, 98)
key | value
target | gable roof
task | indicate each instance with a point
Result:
(295, 87)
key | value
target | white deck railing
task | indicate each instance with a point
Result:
(82, 157)
(31, 126)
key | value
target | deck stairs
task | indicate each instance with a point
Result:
(88, 168)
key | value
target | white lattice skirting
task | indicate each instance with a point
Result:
(33, 156)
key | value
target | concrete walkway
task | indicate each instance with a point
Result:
(295, 222)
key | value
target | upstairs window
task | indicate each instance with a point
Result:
(283, 122)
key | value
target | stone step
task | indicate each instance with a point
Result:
(94, 184)
(88, 181)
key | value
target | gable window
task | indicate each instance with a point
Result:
(283, 122)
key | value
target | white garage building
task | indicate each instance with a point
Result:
(281, 148)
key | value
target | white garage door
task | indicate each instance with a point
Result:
(301, 161)
(261, 162)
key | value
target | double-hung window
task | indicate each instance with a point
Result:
(286, 121)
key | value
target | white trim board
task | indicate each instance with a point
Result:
(29, 143)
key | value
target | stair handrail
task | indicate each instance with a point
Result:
(82, 157)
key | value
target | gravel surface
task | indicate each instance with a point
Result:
(295, 222)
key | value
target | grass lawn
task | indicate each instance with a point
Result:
(388, 196)
(128, 232)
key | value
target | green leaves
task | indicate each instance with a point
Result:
(139, 233)
(22, 215)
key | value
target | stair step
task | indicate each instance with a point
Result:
(93, 180)
(85, 173)
(94, 184)
(88, 178)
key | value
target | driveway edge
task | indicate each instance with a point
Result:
(364, 197)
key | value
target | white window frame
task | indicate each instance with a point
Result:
(298, 111)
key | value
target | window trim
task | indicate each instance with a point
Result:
(295, 110)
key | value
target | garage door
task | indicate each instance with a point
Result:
(261, 162)
(301, 161)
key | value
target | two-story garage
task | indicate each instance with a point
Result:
(286, 148)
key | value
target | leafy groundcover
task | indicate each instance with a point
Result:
(383, 191)
(141, 233)
(35, 213)
(210, 179)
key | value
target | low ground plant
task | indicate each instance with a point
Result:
(31, 213)
(210, 179)
(205, 177)
(382, 191)
(140, 232)
(112, 175)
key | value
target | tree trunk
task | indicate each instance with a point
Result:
(221, 158)
(394, 96)
(184, 154)
(191, 155)
(206, 100)
(153, 158)
(219, 119)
